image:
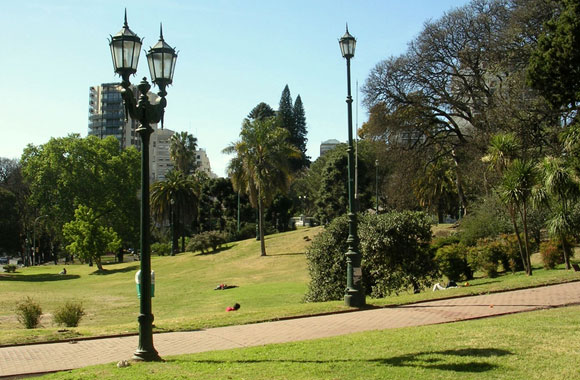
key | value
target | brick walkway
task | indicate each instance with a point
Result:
(63, 356)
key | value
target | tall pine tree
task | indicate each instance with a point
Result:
(300, 130)
(287, 119)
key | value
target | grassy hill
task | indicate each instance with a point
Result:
(269, 288)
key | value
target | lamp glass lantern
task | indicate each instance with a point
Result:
(161, 59)
(347, 45)
(125, 50)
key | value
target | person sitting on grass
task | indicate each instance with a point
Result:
(62, 272)
(233, 308)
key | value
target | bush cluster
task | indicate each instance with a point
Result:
(551, 254)
(395, 255)
(205, 241)
(451, 258)
(28, 313)
(69, 314)
(161, 249)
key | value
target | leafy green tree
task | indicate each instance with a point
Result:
(182, 151)
(71, 171)
(176, 196)
(89, 237)
(261, 167)
(9, 222)
(555, 64)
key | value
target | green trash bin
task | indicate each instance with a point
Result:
(138, 283)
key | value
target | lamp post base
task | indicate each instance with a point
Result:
(146, 356)
(354, 298)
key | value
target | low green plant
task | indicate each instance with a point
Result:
(486, 256)
(69, 314)
(395, 256)
(161, 249)
(9, 268)
(452, 261)
(28, 313)
(205, 241)
(551, 254)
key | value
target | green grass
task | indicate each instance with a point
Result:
(270, 287)
(537, 345)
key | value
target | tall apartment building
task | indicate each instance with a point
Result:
(107, 115)
(107, 118)
(327, 145)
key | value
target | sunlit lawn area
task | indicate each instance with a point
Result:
(537, 345)
(268, 288)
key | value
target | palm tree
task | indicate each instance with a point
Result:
(560, 188)
(435, 189)
(175, 197)
(182, 151)
(516, 191)
(261, 167)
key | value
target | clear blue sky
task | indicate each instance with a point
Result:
(232, 55)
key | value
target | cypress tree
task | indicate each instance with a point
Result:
(300, 130)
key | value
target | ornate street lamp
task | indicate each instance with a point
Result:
(354, 294)
(125, 48)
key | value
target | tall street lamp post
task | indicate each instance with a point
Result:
(125, 48)
(354, 294)
(171, 222)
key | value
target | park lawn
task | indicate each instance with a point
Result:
(270, 288)
(542, 345)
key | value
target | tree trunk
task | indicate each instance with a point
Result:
(520, 244)
(261, 225)
(566, 249)
(459, 185)
(524, 214)
(99, 263)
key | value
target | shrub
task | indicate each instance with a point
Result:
(28, 313)
(395, 256)
(9, 268)
(512, 258)
(161, 249)
(487, 219)
(452, 262)
(486, 256)
(551, 254)
(69, 314)
(205, 241)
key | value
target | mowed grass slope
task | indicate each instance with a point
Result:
(268, 287)
(538, 345)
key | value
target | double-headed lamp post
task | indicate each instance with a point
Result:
(125, 49)
(354, 294)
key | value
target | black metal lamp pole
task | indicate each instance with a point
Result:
(354, 294)
(125, 49)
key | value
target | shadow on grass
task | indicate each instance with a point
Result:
(113, 271)
(38, 277)
(222, 249)
(287, 254)
(437, 360)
